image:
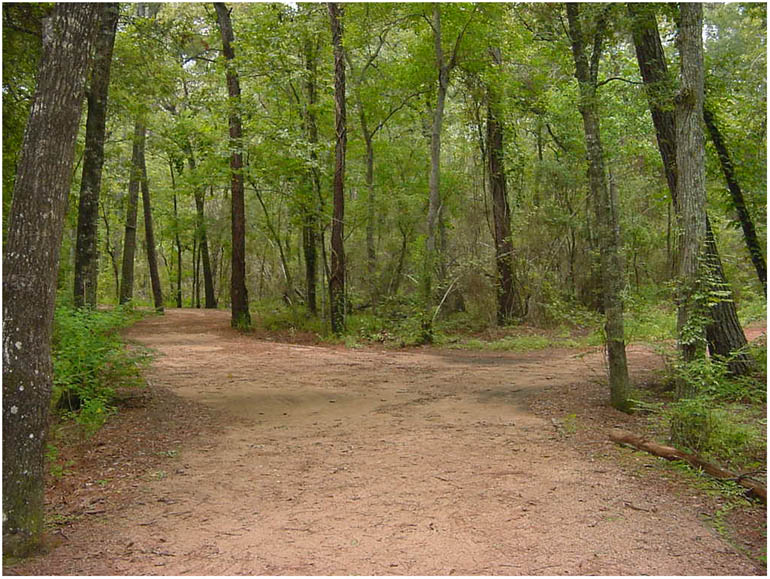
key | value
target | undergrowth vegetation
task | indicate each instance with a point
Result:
(91, 362)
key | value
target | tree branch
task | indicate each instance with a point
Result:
(607, 80)
(455, 49)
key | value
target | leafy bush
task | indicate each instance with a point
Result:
(90, 361)
(699, 426)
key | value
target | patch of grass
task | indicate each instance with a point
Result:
(570, 424)
(526, 343)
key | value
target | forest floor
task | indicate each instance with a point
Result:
(248, 456)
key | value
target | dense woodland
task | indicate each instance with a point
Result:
(384, 171)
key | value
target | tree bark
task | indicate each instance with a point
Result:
(177, 240)
(337, 277)
(86, 250)
(434, 178)
(606, 220)
(30, 266)
(129, 238)
(690, 187)
(724, 333)
(200, 230)
(152, 258)
(310, 225)
(238, 295)
(112, 251)
(508, 302)
(671, 453)
(747, 224)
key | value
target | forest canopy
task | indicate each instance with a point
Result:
(167, 67)
(393, 172)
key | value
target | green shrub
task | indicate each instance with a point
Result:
(90, 361)
(699, 426)
(692, 424)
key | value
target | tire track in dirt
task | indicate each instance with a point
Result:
(334, 461)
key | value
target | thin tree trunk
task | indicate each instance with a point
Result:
(129, 238)
(723, 333)
(371, 207)
(152, 259)
(310, 225)
(198, 277)
(508, 302)
(86, 250)
(238, 295)
(289, 284)
(177, 240)
(747, 224)
(200, 230)
(396, 282)
(337, 277)
(112, 252)
(434, 178)
(604, 210)
(31, 263)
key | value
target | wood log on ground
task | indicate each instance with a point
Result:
(671, 453)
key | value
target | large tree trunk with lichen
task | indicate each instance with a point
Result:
(724, 333)
(86, 251)
(604, 210)
(337, 277)
(238, 295)
(690, 187)
(31, 263)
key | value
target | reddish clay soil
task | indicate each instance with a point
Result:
(246, 456)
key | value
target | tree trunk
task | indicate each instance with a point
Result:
(508, 302)
(30, 266)
(200, 230)
(152, 259)
(337, 277)
(434, 178)
(371, 253)
(310, 225)
(195, 281)
(238, 295)
(86, 250)
(129, 238)
(177, 240)
(198, 278)
(671, 453)
(690, 188)
(747, 224)
(724, 332)
(112, 252)
(606, 219)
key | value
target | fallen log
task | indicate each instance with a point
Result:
(671, 453)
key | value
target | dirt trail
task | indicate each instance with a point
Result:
(335, 461)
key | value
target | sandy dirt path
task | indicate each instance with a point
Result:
(335, 461)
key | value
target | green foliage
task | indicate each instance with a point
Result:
(91, 362)
(275, 316)
(698, 426)
(649, 316)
